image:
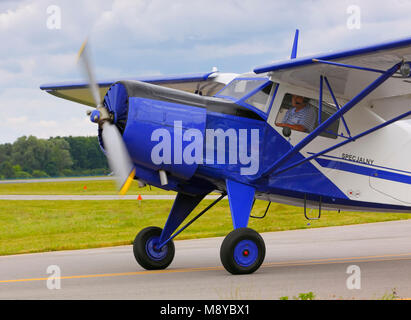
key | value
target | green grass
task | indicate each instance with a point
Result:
(36, 226)
(91, 187)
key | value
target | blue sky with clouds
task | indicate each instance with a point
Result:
(151, 37)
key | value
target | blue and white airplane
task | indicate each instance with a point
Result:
(327, 131)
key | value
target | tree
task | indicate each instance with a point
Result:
(6, 170)
(30, 153)
(59, 157)
(52, 157)
(5, 152)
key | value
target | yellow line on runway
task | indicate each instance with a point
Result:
(117, 274)
(405, 256)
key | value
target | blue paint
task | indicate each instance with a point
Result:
(145, 116)
(116, 101)
(245, 253)
(229, 122)
(153, 251)
(295, 45)
(95, 116)
(182, 207)
(371, 165)
(240, 197)
(365, 171)
(174, 224)
(304, 179)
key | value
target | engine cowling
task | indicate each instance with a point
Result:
(149, 123)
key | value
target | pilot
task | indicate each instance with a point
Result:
(301, 116)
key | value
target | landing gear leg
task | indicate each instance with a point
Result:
(152, 247)
(243, 249)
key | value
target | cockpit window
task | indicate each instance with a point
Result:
(301, 114)
(260, 99)
(240, 87)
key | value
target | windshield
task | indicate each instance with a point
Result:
(259, 100)
(241, 87)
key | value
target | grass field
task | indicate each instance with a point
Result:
(92, 187)
(36, 226)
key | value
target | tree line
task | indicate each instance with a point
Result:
(30, 157)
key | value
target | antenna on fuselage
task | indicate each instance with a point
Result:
(295, 45)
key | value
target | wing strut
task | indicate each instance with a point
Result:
(337, 105)
(323, 126)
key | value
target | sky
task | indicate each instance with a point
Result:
(130, 38)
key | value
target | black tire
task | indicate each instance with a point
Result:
(242, 251)
(144, 253)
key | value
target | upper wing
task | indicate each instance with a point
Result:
(208, 83)
(347, 82)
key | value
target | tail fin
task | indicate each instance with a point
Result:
(295, 45)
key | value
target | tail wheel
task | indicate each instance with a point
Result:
(146, 252)
(242, 251)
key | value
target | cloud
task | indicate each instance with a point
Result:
(143, 37)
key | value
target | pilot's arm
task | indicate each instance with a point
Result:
(298, 127)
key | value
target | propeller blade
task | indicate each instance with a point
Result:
(116, 151)
(118, 157)
(88, 71)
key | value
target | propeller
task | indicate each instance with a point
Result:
(117, 155)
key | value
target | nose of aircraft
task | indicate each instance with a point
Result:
(110, 135)
(116, 102)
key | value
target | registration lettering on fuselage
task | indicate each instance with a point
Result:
(355, 158)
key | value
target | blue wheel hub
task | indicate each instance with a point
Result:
(245, 253)
(153, 252)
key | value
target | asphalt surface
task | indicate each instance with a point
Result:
(299, 261)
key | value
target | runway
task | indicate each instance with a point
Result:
(299, 261)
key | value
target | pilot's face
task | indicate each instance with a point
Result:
(297, 102)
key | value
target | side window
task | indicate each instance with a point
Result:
(301, 114)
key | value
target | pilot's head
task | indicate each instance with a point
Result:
(298, 102)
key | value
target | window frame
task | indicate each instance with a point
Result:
(242, 101)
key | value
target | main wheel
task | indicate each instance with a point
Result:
(242, 251)
(146, 252)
